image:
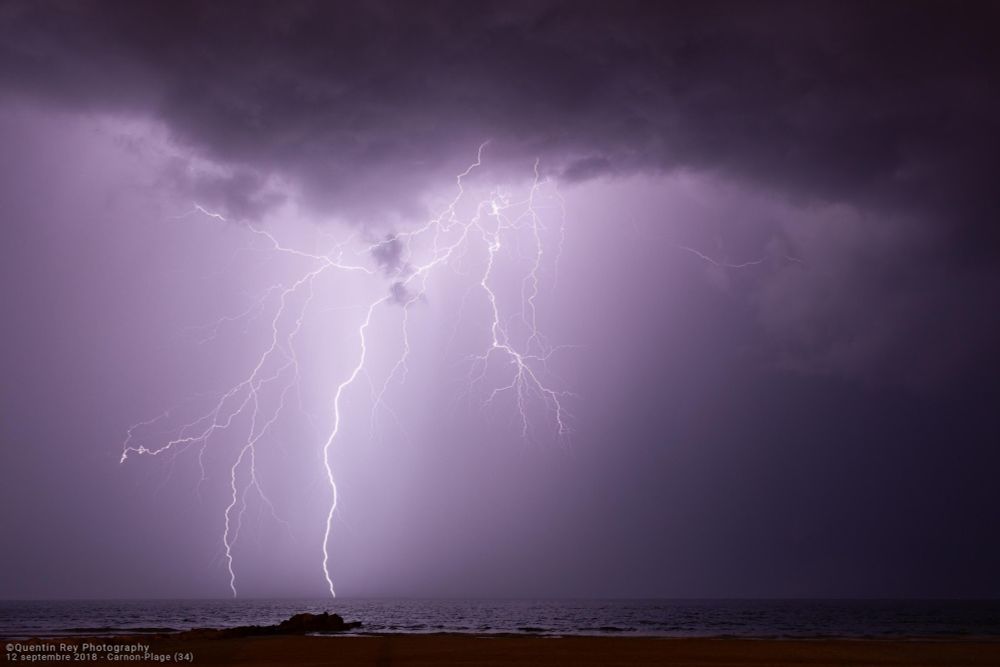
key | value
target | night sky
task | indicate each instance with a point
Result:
(772, 302)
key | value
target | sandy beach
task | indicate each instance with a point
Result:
(414, 650)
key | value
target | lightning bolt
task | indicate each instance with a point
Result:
(742, 265)
(499, 223)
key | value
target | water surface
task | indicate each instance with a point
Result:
(668, 618)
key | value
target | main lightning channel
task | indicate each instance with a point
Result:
(450, 237)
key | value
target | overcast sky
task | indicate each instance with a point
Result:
(770, 297)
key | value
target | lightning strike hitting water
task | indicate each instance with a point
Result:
(498, 222)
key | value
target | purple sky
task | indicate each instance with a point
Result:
(776, 294)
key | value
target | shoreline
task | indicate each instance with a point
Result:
(501, 649)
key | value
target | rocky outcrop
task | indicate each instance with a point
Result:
(306, 623)
(299, 624)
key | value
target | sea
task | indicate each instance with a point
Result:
(791, 619)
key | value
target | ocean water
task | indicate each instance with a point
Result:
(670, 618)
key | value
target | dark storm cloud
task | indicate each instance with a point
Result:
(890, 108)
(242, 193)
(894, 104)
(586, 168)
(398, 293)
(388, 254)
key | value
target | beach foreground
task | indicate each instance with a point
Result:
(414, 650)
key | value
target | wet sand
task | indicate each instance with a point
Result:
(418, 650)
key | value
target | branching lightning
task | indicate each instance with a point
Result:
(728, 265)
(515, 345)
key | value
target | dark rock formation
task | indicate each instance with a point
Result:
(305, 623)
(299, 624)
